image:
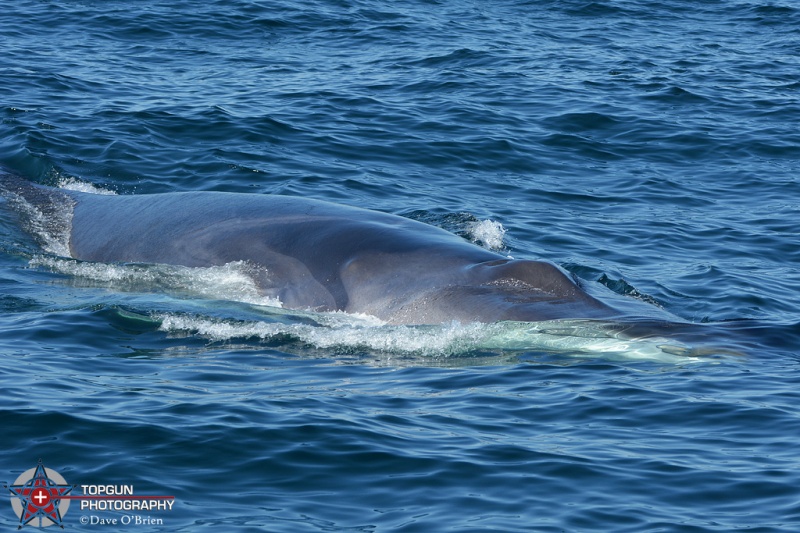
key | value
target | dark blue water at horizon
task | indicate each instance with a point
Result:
(649, 147)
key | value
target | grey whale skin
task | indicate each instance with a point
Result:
(316, 255)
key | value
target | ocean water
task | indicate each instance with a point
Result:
(649, 147)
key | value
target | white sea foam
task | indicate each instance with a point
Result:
(350, 334)
(356, 334)
(488, 234)
(233, 281)
(73, 184)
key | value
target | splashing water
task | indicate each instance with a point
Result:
(488, 234)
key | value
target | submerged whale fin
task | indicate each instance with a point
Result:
(46, 212)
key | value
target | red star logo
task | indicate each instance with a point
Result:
(40, 497)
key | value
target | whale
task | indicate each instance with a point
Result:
(310, 254)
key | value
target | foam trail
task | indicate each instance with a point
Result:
(357, 335)
(233, 281)
(451, 340)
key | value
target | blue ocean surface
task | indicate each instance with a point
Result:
(649, 147)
